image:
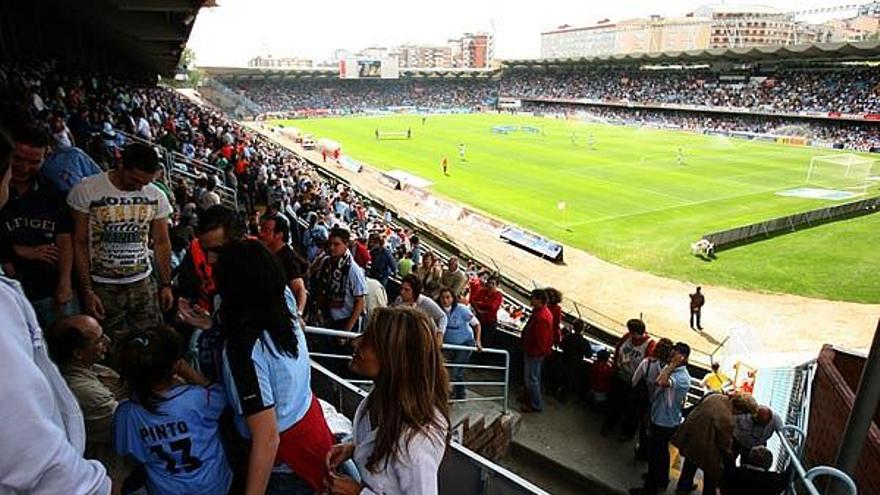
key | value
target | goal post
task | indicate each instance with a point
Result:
(386, 135)
(845, 171)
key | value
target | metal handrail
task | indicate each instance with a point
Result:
(178, 155)
(451, 347)
(493, 477)
(171, 161)
(832, 472)
(806, 477)
(230, 194)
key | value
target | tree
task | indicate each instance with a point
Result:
(187, 64)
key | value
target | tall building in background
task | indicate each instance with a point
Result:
(653, 34)
(661, 34)
(473, 51)
(749, 25)
(711, 26)
(569, 41)
(423, 56)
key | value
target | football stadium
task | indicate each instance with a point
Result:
(325, 247)
(638, 206)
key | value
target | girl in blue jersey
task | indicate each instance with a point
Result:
(170, 426)
(462, 328)
(267, 373)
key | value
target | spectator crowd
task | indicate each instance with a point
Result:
(859, 136)
(177, 323)
(361, 94)
(851, 90)
(789, 91)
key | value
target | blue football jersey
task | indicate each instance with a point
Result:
(180, 446)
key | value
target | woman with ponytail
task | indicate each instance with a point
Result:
(171, 423)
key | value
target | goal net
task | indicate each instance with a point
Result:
(846, 171)
(383, 135)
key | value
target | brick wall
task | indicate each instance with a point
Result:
(831, 403)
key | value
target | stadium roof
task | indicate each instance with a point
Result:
(329, 72)
(149, 34)
(861, 50)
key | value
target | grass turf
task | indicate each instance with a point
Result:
(628, 200)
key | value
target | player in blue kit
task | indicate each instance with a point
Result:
(170, 427)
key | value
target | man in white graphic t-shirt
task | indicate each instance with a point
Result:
(115, 215)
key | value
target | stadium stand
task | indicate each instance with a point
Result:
(839, 107)
(358, 95)
(851, 91)
(202, 151)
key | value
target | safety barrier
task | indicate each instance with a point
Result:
(745, 234)
(175, 165)
(462, 471)
(803, 477)
(504, 385)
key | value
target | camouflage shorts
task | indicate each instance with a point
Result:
(133, 306)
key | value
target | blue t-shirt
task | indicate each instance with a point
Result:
(261, 377)
(667, 403)
(67, 166)
(179, 447)
(458, 326)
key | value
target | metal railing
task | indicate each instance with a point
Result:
(176, 164)
(504, 385)
(462, 472)
(804, 477)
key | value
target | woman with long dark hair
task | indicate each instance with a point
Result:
(266, 369)
(401, 429)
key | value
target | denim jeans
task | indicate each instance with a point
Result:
(532, 379)
(287, 484)
(457, 372)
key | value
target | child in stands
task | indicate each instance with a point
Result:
(600, 380)
(170, 426)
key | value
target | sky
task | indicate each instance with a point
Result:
(237, 30)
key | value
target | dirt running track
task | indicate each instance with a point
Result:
(763, 327)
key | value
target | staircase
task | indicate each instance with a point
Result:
(487, 433)
(233, 103)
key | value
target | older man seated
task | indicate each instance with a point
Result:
(77, 344)
(753, 430)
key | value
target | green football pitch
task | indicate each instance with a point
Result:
(628, 200)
